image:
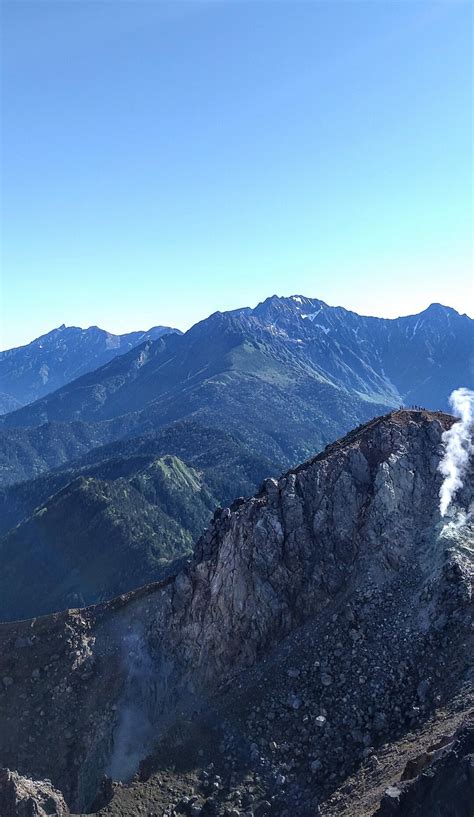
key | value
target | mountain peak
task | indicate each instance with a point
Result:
(440, 309)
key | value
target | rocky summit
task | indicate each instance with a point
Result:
(315, 650)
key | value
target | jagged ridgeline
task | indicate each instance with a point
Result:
(286, 378)
(318, 642)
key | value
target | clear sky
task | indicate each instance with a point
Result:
(162, 160)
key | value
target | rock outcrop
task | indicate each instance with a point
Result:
(316, 619)
(444, 786)
(22, 797)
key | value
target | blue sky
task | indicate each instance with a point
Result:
(164, 160)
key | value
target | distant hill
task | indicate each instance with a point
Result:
(52, 360)
(119, 517)
(228, 467)
(95, 538)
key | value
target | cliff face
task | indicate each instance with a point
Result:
(347, 552)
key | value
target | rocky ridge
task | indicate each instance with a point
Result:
(328, 614)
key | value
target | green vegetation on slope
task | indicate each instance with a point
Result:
(95, 538)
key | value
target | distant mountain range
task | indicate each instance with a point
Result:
(52, 360)
(238, 397)
(286, 377)
(283, 341)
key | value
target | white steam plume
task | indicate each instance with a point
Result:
(459, 447)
